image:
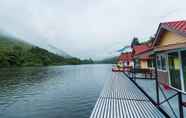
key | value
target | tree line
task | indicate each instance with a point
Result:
(35, 56)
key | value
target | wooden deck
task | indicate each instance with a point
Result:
(120, 98)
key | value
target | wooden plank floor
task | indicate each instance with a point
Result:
(120, 98)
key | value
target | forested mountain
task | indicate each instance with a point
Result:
(14, 52)
(8, 43)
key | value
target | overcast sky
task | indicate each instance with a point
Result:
(87, 28)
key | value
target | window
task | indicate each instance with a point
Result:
(127, 63)
(161, 62)
(150, 63)
(158, 62)
(174, 70)
(137, 63)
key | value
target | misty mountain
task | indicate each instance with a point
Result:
(7, 42)
(17, 53)
(58, 51)
(109, 60)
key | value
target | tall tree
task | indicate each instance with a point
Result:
(135, 41)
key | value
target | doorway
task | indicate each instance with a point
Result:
(174, 69)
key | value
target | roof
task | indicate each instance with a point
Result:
(139, 49)
(178, 27)
(127, 56)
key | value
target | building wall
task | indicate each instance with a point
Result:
(163, 77)
(120, 64)
(131, 63)
(124, 63)
(171, 38)
(143, 64)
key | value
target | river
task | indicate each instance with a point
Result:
(51, 92)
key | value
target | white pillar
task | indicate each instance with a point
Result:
(181, 71)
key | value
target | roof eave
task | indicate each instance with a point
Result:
(145, 53)
(157, 34)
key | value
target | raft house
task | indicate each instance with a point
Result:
(168, 51)
(143, 64)
(125, 60)
(165, 59)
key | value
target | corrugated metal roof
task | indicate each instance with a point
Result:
(140, 49)
(176, 25)
(125, 56)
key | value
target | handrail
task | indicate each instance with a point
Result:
(179, 93)
(172, 88)
(147, 95)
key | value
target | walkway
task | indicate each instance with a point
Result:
(120, 98)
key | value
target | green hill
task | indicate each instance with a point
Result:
(7, 43)
(14, 52)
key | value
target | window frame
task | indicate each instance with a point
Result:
(181, 71)
(160, 66)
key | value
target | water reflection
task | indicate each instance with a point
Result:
(49, 92)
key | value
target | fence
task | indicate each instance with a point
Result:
(160, 88)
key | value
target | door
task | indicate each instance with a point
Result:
(174, 70)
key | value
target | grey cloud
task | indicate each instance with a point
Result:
(87, 28)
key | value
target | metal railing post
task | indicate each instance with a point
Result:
(180, 105)
(133, 70)
(156, 77)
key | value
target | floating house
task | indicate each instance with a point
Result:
(126, 59)
(165, 59)
(169, 47)
(169, 50)
(142, 61)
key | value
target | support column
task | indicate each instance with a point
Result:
(180, 105)
(181, 71)
(134, 69)
(156, 78)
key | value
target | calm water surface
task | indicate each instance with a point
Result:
(51, 92)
